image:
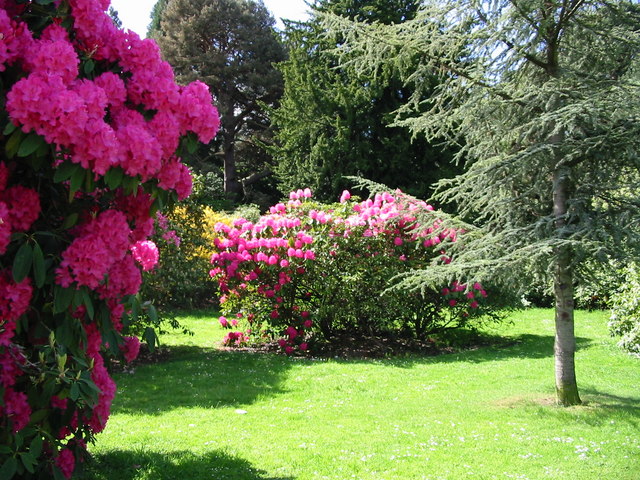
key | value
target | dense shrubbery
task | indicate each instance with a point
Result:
(307, 271)
(91, 125)
(625, 316)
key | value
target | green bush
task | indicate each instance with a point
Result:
(625, 316)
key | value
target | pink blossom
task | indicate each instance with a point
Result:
(16, 408)
(14, 302)
(398, 241)
(453, 303)
(346, 195)
(291, 332)
(304, 346)
(66, 462)
(146, 254)
(473, 304)
(24, 207)
(223, 321)
(131, 348)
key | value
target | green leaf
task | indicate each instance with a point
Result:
(22, 262)
(192, 143)
(9, 129)
(12, 145)
(114, 177)
(37, 417)
(89, 66)
(153, 314)
(62, 299)
(65, 171)
(39, 270)
(74, 391)
(86, 299)
(30, 144)
(89, 391)
(151, 338)
(8, 469)
(70, 221)
(28, 461)
(77, 179)
(45, 2)
(57, 474)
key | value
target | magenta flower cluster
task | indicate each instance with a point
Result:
(272, 273)
(86, 98)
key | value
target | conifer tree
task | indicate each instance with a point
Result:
(231, 46)
(334, 122)
(543, 98)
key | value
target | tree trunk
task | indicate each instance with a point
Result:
(565, 341)
(232, 186)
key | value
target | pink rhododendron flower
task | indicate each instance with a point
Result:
(146, 254)
(346, 195)
(24, 207)
(131, 348)
(223, 321)
(66, 462)
(16, 408)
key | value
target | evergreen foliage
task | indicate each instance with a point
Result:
(231, 46)
(333, 121)
(542, 97)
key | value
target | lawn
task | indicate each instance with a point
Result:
(206, 413)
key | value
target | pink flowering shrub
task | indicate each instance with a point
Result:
(307, 271)
(92, 132)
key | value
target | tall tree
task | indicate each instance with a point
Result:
(544, 102)
(334, 122)
(230, 45)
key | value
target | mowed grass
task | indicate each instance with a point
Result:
(205, 413)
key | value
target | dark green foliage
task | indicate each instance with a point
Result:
(334, 122)
(543, 98)
(625, 316)
(231, 46)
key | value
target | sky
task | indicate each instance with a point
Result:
(135, 14)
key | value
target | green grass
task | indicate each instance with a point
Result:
(481, 414)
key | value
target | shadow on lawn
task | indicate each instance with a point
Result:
(137, 464)
(486, 349)
(192, 376)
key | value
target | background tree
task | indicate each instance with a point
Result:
(231, 46)
(545, 105)
(333, 121)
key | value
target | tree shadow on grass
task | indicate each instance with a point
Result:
(486, 348)
(192, 376)
(178, 465)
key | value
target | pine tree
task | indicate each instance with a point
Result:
(543, 99)
(230, 45)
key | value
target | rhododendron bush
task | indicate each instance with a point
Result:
(93, 125)
(307, 271)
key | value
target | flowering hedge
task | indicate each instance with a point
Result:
(307, 271)
(92, 125)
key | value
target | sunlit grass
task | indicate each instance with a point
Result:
(204, 413)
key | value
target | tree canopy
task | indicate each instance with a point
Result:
(542, 99)
(231, 46)
(333, 121)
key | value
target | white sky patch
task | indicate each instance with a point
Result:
(136, 14)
